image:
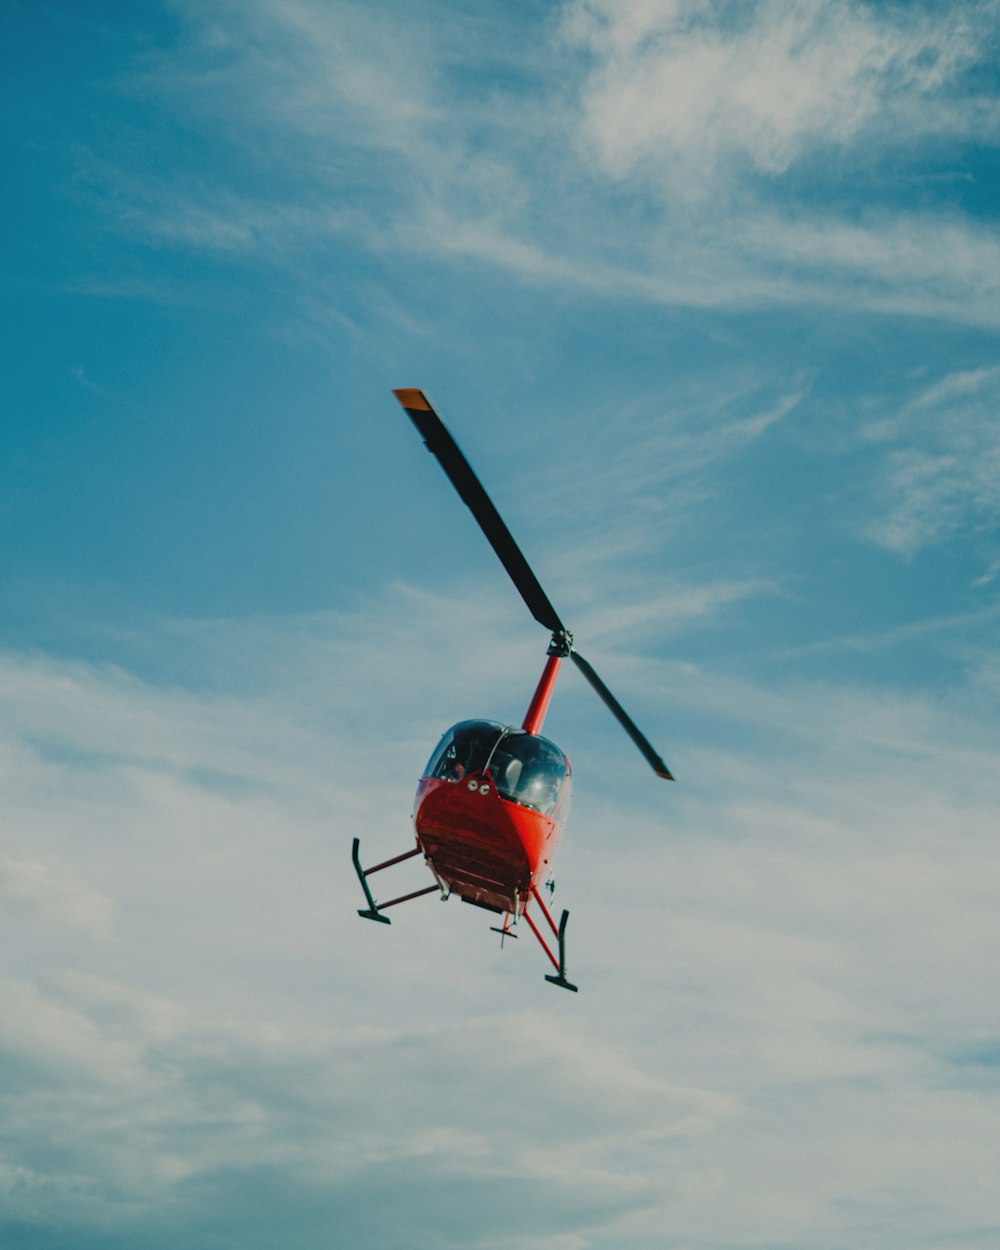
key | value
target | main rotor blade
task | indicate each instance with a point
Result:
(460, 473)
(623, 718)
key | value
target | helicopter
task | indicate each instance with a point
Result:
(492, 803)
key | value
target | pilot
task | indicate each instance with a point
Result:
(452, 768)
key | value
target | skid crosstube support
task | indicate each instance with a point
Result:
(560, 934)
(373, 910)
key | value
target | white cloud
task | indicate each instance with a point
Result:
(150, 1121)
(633, 154)
(659, 615)
(776, 959)
(57, 893)
(781, 958)
(939, 472)
(684, 86)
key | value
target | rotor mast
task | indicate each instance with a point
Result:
(559, 648)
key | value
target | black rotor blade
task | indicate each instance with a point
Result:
(623, 718)
(460, 473)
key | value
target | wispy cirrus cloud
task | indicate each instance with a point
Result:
(165, 1117)
(939, 473)
(667, 153)
(687, 90)
(758, 133)
(57, 893)
(802, 900)
(784, 1002)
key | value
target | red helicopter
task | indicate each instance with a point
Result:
(492, 804)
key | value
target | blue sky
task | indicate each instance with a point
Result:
(708, 293)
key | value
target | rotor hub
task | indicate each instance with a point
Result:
(561, 644)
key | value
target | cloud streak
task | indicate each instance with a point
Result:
(163, 1117)
(940, 464)
(667, 153)
(52, 889)
(252, 1057)
(787, 1025)
(689, 89)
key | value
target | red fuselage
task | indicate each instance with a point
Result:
(491, 806)
(484, 847)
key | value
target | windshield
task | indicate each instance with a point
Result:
(525, 768)
(464, 749)
(530, 770)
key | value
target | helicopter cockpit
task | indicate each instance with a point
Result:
(525, 768)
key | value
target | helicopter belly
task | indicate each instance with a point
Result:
(484, 848)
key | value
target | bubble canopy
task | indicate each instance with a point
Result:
(525, 768)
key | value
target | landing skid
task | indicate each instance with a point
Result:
(561, 978)
(560, 935)
(374, 911)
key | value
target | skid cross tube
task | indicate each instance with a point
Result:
(405, 898)
(388, 863)
(374, 911)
